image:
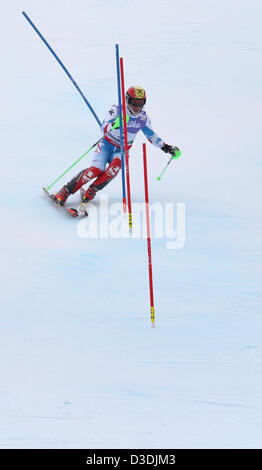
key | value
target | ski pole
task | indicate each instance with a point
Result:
(174, 156)
(115, 125)
(62, 65)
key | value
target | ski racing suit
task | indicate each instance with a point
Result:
(108, 151)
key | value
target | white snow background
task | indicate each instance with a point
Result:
(80, 365)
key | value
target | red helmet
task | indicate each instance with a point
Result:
(136, 94)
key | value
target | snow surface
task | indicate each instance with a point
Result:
(80, 365)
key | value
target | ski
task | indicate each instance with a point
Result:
(80, 211)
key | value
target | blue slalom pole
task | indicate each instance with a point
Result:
(121, 127)
(63, 67)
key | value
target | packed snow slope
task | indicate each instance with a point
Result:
(80, 365)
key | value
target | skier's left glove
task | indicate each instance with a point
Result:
(169, 149)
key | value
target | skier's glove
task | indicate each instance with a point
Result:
(169, 149)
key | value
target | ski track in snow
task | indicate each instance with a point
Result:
(80, 365)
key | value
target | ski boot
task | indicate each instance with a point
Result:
(61, 196)
(89, 195)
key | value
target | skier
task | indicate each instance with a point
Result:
(108, 150)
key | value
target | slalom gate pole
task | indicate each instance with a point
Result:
(62, 65)
(126, 145)
(152, 307)
(121, 128)
(116, 124)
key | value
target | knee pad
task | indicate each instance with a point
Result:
(114, 167)
(91, 173)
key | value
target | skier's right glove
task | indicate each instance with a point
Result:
(169, 149)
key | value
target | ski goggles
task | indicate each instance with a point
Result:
(136, 103)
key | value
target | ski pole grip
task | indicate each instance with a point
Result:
(176, 154)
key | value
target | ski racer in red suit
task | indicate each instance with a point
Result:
(107, 156)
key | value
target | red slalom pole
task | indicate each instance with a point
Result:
(126, 144)
(152, 307)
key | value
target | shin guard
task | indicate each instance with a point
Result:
(110, 173)
(82, 178)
